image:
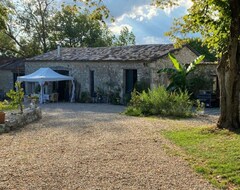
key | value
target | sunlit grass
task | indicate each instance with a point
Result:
(213, 153)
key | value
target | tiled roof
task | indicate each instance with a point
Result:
(124, 53)
(13, 64)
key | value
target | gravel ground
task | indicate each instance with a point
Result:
(92, 147)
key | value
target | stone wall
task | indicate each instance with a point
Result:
(16, 121)
(6, 80)
(106, 74)
(184, 55)
(109, 74)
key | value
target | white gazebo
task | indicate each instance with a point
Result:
(43, 75)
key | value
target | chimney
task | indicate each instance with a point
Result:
(58, 50)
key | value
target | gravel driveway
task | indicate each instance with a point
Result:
(93, 147)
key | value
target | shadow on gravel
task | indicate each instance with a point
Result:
(82, 107)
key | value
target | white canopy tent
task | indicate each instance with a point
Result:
(43, 75)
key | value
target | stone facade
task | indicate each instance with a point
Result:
(184, 55)
(16, 121)
(6, 80)
(106, 74)
(109, 74)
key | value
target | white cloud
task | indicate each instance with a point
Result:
(140, 13)
(116, 28)
(182, 3)
(154, 40)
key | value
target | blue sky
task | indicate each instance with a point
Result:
(147, 22)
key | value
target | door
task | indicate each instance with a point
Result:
(130, 80)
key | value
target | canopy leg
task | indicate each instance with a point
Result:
(41, 93)
(73, 92)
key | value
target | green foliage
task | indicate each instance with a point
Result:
(213, 153)
(196, 83)
(85, 97)
(199, 105)
(7, 45)
(114, 97)
(196, 44)
(141, 86)
(178, 75)
(34, 26)
(133, 111)
(210, 18)
(4, 106)
(17, 97)
(3, 17)
(125, 38)
(160, 102)
(76, 29)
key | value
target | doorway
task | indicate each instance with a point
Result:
(63, 87)
(130, 80)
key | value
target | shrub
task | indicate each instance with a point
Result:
(160, 102)
(141, 86)
(17, 97)
(85, 97)
(132, 111)
(4, 106)
(196, 83)
(114, 98)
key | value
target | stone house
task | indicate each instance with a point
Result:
(107, 69)
(10, 68)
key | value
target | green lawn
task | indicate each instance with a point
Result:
(213, 153)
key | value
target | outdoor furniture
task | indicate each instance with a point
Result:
(46, 98)
(209, 99)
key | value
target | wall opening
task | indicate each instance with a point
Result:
(130, 80)
(62, 87)
(91, 76)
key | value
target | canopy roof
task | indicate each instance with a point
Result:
(44, 74)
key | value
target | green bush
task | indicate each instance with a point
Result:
(16, 97)
(85, 97)
(114, 98)
(160, 102)
(4, 106)
(132, 111)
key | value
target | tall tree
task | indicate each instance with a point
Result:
(76, 29)
(28, 23)
(125, 38)
(218, 21)
(3, 16)
(196, 44)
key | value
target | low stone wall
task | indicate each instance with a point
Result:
(15, 121)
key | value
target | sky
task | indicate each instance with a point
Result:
(147, 22)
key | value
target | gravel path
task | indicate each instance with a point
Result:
(92, 147)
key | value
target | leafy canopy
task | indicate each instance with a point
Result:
(125, 38)
(210, 18)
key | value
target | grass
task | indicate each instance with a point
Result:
(213, 153)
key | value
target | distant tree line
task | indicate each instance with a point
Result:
(29, 28)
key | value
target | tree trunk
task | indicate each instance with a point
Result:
(228, 74)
